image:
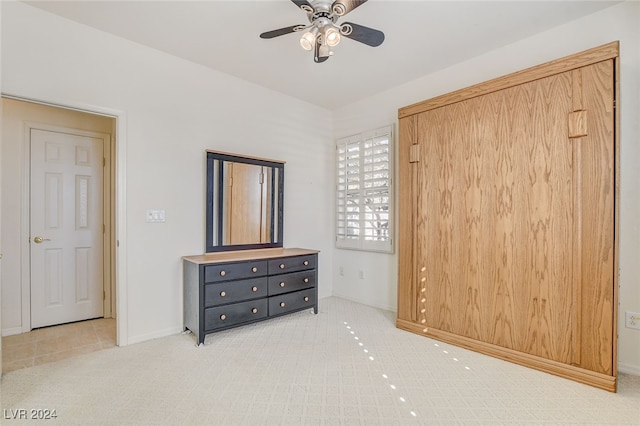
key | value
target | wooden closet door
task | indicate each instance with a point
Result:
(513, 218)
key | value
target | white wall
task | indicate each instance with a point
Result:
(174, 110)
(621, 22)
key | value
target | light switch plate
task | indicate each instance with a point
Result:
(155, 216)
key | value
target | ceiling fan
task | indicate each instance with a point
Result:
(323, 32)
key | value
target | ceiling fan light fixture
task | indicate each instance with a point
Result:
(331, 36)
(308, 39)
(324, 51)
(323, 31)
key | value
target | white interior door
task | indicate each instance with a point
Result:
(66, 224)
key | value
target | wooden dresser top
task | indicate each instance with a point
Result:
(239, 255)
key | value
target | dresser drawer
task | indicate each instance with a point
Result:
(234, 291)
(291, 282)
(289, 302)
(234, 271)
(236, 313)
(291, 264)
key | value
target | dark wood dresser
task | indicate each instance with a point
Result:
(229, 289)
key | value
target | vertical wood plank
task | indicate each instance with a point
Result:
(597, 196)
(576, 284)
(407, 293)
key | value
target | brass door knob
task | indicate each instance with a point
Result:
(254, 310)
(254, 269)
(38, 239)
(223, 317)
(223, 293)
(282, 284)
(223, 273)
(282, 304)
(282, 266)
(306, 298)
(254, 289)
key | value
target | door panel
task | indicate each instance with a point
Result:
(596, 207)
(66, 213)
(509, 207)
(496, 217)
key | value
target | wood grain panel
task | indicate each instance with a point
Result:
(551, 224)
(509, 295)
(407, 292)
(597, 215)
(581, 375)
(578, 60)
(513, 200)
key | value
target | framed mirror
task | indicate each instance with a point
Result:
(244, 202)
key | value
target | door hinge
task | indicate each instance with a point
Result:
(104, 162)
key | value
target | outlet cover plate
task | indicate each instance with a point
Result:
(632, 320)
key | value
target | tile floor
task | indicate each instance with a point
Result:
(51, 344)
(348, 365)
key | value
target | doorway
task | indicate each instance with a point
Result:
(59, 209)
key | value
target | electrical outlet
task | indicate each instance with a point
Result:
(632, 320)
(361, 274)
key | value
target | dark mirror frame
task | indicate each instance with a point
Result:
(215, 185)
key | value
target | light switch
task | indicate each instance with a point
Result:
(155, 216)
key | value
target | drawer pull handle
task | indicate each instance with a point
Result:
(282, 284)
(282, 266)
(254, 289)
(282, 304)
(254, 269)
(223, 317)
(305, 263)
(223, 273)
(306, 298)
(306, 280)
(254, 310)
(223, 293)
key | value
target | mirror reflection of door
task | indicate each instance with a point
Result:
(247, 203)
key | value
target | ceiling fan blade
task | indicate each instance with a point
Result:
(342, 7)
(304, 5)
(281, 31)
(366, 35)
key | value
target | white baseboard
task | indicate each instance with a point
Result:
(362, 302)
(11, 331)
(628, 369)
(155, 335)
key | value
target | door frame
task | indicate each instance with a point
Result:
(108, 286)
(118, 210)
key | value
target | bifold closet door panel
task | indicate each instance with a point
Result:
(494, 221)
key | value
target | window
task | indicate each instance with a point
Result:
(364, 191)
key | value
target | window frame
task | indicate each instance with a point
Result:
(365, 144)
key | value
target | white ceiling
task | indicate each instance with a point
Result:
(421, 37)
